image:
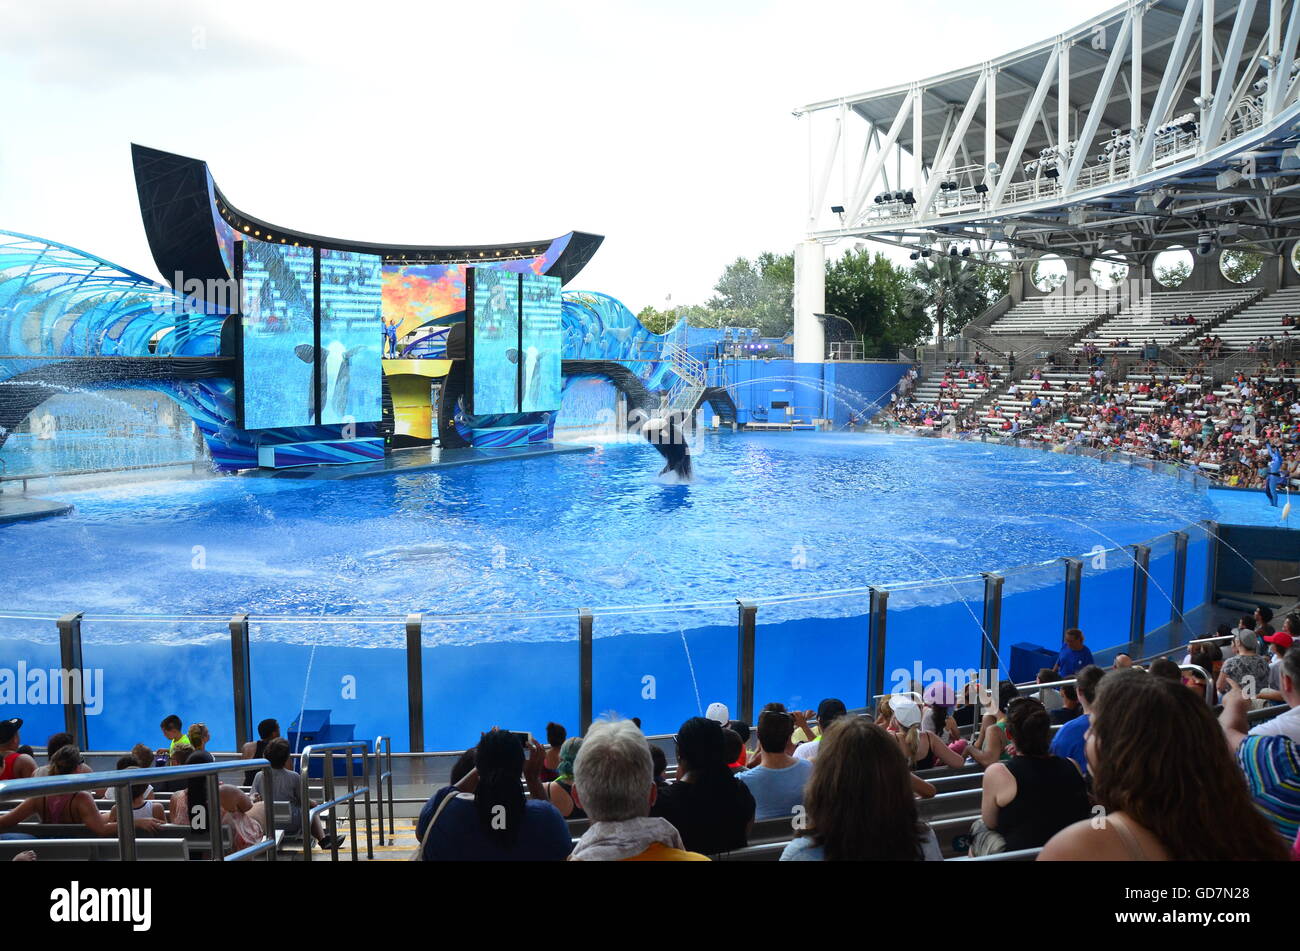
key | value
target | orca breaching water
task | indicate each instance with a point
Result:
(665, 434)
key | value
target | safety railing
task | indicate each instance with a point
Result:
(383, 755)
(332, 802)
(122, 781)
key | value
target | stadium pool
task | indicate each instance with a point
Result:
(500, 558)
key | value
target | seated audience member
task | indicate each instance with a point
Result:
(142, 756)
(189, 807)
(287, 787)
(559, 792)
(1073, 655)
(1159, 767)
(614, 781)
(992, 744)
(711, 808)
(1070, 706)
(171, 729)
(777, 782)
(936, 717)
(555, 737)
(1033, 795)
(198, 735)
(16, 765)
(123, 762)
(486, 818)
(460, 769)
(859, 803)
(1197, 679)
(69, 808)
(742, 731)
(828, 711)
(1287, 672)
(142, 806)
(179, 757)
(267, 730)
(1278, 646)
(1122, 662)
(1271, 762)
(967, 711)
(1166, 668)
(734, 749)
(1246, 667)
(1069, 739)
(1048, 696)
(56, 742)
(660, 760)
(923, 750)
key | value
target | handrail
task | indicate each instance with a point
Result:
(332, 802)
(25, 477)
(123, 779)
(382, 772)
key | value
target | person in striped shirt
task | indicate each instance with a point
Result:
(1271, 765)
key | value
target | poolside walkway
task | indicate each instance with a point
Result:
(19, 508)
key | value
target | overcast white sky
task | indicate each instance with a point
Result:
(665, 126)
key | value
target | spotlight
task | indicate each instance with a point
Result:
(925, 252)
(837, 209)
(981, 189)
(909, 199)
(915, 256)
(1052, 172)
(952, 252)
(965, 252)
(1205, 243)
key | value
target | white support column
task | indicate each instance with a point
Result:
(940, 168)
(1223, 95)
(1207, 67)
(990, 117)
(1280, 79)
(809, 300)
(1135, 84)
(918, 138)
(1063, 94)
(1171, 84)
(1027, 120)
(878, 163)
(1104, 87)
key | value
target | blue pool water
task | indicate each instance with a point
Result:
(521, 546)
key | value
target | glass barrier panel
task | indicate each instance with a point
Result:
(1033, 608)
(1199, 552)
(934, 632)
(666, 666)
(810, 648)
(1106, 598)
(350, 669)
(514, 672)
(1160, 586)
(30, 663)
(147, 668)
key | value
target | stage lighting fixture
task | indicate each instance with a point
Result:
(1203, 102)
(837, 209)
(909, 199)
(1052, 172)
(952, 252)
(1205, 243)
(981, 189)
(915, 256)
(925, 252)
(965, 252)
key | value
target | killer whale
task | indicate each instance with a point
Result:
(666, 435)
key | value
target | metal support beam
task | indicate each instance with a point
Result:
(1027, 120)
(1104, 87)
(242, 679)
(878, 611)
(940, 169)
(1137, 618)
(74, 675)
(1073, 586)
(992, 621)
(1212, 131)
(1180, 578)
(1170, 86)
(584, 671)
(415, 681)
(747, 613)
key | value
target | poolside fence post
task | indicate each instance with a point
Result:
(1180, 579)
(1073, 586)
(584, 671)
(747, 613)
(415, 681)
(242, 675)
(74, 701)
(992, 620)
(1212, 561)
(1137, 624)
(877, 610)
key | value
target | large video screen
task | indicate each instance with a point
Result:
(351, 337)
(279, 336)
(541, 344)
(493, 337)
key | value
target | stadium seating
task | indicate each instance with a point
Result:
(1147, 319)
(1054, 315)
(1262, 319)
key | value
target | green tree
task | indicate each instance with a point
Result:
(951, 290)
(1240, 265)
(875, 297)
(657, 321)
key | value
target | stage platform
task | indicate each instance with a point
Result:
(22, 509)
(418, 460)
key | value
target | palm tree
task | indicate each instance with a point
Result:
(950, 289)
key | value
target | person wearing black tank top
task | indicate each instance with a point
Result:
(1032, 796)
(267, 730)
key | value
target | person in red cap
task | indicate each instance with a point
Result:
(1280, 646)
(16, 765)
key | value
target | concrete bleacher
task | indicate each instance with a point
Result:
(1054, 315)
(965, 392)
(1263, 318)
(1145, 319)
(1065, 386)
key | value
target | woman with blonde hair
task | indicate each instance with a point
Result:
(198, 735)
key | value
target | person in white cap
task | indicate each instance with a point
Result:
(718, 713)
(922, 748)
